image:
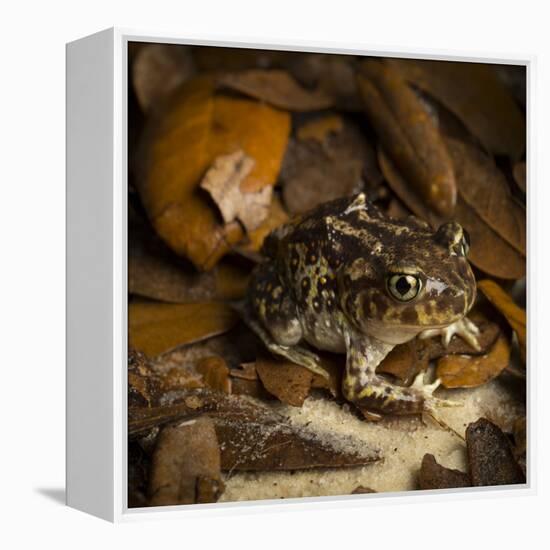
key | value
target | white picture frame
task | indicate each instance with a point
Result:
(96, 171)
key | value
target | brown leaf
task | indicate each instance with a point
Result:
(490, 456)
(405, 361)
(289, 382)
(186, 465)
(463, 371)
(223, 181)
(155, 328)
(473, 92)
(434, 476)
(156, 272)
(320, 128)
(409, 135)
(158, 69)
(215, 373)
(488, 251)
(254, 437)
(313, 173)
(514, 314)
(333, 74)
(179, 144)
(485, 189)
(276, 87)
(245, 381)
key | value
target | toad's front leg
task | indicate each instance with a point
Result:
(370, 391)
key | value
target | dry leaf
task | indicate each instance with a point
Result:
(179, 144)
(434, 476)
(277, 88)
(473, 92)
(277, 216)
(333, 74)
(223, 182)
(186, 465)
(215, 373)
(288, 382)
(488, 251)
(245, 381)
(485, 189)
(408, 134)
(156, 272)
(320, 128)
(314, 173)
(405, 361)
(254, 437)
(158, 69)
(464, 371)
(155, 328)
(490, 456)
(515, 315)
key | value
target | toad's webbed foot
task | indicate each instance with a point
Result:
(465, 328)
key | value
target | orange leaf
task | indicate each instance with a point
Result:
(515, 315)
(469, 371)
(155, 328)
(194, 128)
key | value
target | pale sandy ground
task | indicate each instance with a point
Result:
(403, 443)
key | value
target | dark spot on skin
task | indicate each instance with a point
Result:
(409, 316)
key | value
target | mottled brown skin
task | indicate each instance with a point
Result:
(326, 281)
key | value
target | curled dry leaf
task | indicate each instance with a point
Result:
(181, 142)
(313, 173)
(485, 189)
(474, 93)
(158, 69)
(515, 315)
(223, 181)
(186, 466)
(434, 476)
(288, 382)
(488, 251)
(464, 371)
(408, 134)
(155, 328)
(276, 87)
(490, 456)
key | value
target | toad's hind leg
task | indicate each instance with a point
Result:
(271, 314)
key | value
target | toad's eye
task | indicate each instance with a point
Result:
(404, 287)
